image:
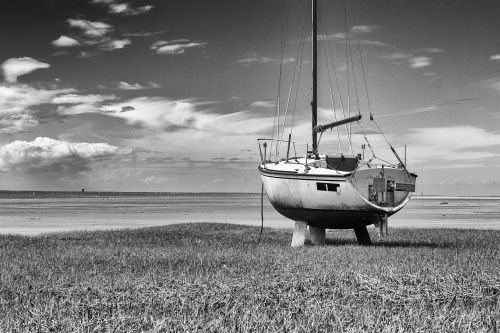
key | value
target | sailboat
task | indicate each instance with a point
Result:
(322, 190)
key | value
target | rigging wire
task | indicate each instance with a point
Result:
(300, 62)
(290, 93)
(368, 96)
(284, 28)
(337, 82)
(331, 91)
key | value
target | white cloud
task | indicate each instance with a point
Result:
(152, 180)
(178, 46)
(372, 43)
(495, 57)
(340, 38)
(115, 44)
(123, 8)
(19, 98)
(363, 29)
(265, 60)
(80, 99)
(89, 28)
(119, 8)
(264, 104)
(459, 143)
(65, 41)
(123, 85)
(127, 86)
(419, 62)
(15, 122)
(47, 155)
(18, 105)
(430, 50)
(87, 54)
(396, 56)
(174, 115)
(96, 34)
(446, 105)
(15, 67)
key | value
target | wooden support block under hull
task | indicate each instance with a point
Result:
(299, 234)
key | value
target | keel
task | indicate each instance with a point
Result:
(362, 236)
(317, 235)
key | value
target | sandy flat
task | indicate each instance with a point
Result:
(34, 216)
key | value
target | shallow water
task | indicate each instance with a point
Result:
(41, 212)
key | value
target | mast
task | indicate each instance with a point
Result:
(314, 102)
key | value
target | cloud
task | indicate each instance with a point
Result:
(123, 8)
(415, 61)
(156, 112)
(340, 38)
(71, 104)
(136, 86)
(396, 56)
(96, 34)
(433, 108)
(18, 98)
(363, 29)
(495, 57)
(114, 44)
(153, 180)
(458, 143)
(264, 104)
(80, 99)
(127, 86)
(22, 105)
(264, 60)
(143, 34)
(64, 41)
(178, 46)
(430, 50)
(420, 62)
(159, 113)
(15, 67)
(89, 28)
(87, 54)
(16, 123)
(56, 157)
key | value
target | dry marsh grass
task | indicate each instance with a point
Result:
(215, 278)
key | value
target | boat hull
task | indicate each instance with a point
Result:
(336, 205)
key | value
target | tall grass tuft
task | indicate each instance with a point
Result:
(215, 277)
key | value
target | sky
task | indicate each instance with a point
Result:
(117, 95)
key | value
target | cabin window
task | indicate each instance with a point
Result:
(327, 187)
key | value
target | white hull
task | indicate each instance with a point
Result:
(344, 202)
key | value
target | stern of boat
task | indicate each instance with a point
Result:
(385, 188)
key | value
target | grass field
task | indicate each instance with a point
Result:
(215, 277)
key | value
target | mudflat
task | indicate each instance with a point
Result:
(34, 213)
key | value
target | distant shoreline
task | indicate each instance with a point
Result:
(5, 194)
(30, 194)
